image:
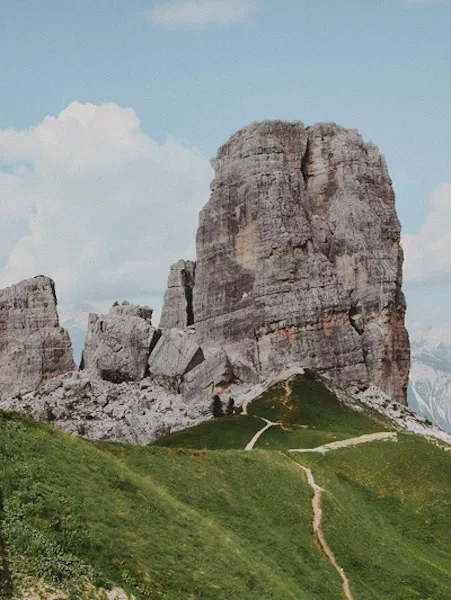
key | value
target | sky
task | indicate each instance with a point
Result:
(111, 110)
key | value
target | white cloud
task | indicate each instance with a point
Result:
(88, 199)
(428, 252)
(200, 13)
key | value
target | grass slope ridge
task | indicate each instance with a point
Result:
(195, 517)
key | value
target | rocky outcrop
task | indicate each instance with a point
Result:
(178, 300)
(212, 376)
(136, 382)
(118, 345)
(299, 260)
(130, 412)
(33, 346)
(298, 265)
(175, 354)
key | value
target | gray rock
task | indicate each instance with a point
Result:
(118, 345)
(178, 300)
(213, 376)
(299, 260)
(175, 354)
(103, 410)
(33, 347)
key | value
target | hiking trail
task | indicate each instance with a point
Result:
(363, 439)
(317, 518)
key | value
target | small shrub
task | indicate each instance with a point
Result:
(230, 407)
(216, 407)
(49, 414)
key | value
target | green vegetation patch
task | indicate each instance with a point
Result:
(179, 523)
(311, 416)
(232, 432)
(305, 400)
(157, 522)
(387, 516)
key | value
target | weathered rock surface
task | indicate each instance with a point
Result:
(33, 346)
(175, 354)
(118, 345)
(299, 260)
(178, 300)
(137, 382)
(210, 377)
(133, 412)
(130, 412)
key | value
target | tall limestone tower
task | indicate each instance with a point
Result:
(299, 258)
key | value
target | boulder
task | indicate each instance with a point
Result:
(175, 354)
(118, 345)
(210, 377)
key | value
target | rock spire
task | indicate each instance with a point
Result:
(33, 347)
(299, 258)
(178, 300)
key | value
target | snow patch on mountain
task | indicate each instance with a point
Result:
(429, 392)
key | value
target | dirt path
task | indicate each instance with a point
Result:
(288, 392)
(317, 496)
(317, 518)
(363, 439)
(285, 376)
(253, 441)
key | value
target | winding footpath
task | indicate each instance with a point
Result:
(318, 491)
(253, 441)
(317, 518)
(363, 439)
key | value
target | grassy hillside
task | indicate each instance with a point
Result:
(309, 412)
(194, 517)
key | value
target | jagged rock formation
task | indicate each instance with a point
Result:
(122, 346)
(298, 265)
(33, 347)
(178, 300)
(118, 345)
(136, 382)
(299, 260)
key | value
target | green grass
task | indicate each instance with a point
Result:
(387, 514)
(231, 432)
(311, 416)
(161, 523)
(177, 521)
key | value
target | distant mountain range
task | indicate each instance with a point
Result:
(429, 391)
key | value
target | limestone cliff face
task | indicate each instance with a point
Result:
(33, 347)
(299, 258)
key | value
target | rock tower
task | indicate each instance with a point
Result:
(299, 258)
(33, 347)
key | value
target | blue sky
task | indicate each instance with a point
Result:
(197, 71)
